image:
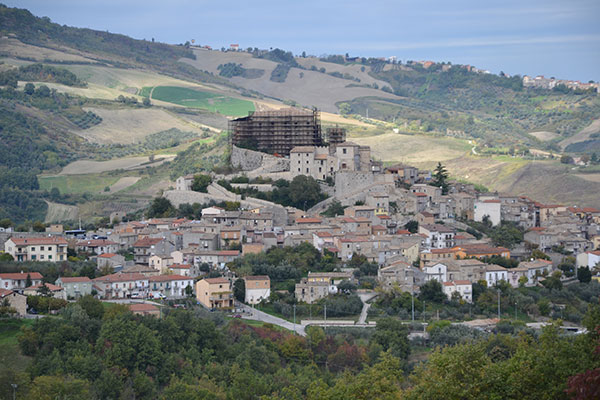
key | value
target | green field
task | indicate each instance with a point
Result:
(91, 183)
(145, 91)
(205, 100)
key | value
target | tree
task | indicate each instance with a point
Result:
(566, 159)
(345, 108)
(553, 281)
(239, 290)
(161, 207)
(539, 255)
(432, 291)
(507, 235)
(189, 291)
(93, 307)
(584, 274)
(392, 335)
(44, 291)
(335, 208)
(28, 282)
(412, 226)
(201, 182)
(440, 178)
(304, 192)
(29, 88)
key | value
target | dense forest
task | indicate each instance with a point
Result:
(90, 351)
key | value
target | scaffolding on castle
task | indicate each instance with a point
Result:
(278, 131)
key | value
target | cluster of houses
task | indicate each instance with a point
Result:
(548, 83)
(169, 257)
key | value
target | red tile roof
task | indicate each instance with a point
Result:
(228, 253)
(180, 266)
(147, 242)
(5, 292)
(463, 282)
(309, 220)
(65, 279)
(166, 278)
(21, 275)
(50, 286)
(213, 281)
(107, 255)
(39, 241)
(142, 307)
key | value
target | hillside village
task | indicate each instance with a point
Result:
(413, 227)
(180, 222)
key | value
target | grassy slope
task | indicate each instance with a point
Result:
(11, 358)
(205, 100)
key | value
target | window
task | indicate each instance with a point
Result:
(344, 151)
(33, 249)
(41, 256)
(42, 248)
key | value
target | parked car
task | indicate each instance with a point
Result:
(136, 295)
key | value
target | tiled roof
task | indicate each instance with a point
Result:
(257, 278)
(21, 275)
(74, 279)
(213, 281)
(147, 242)
(228, 253)
(5, 292)
(141, 307)
(39, 241)
(121, 277)
(167, 278)
(50, 286)
(309, 220)
(107, 255)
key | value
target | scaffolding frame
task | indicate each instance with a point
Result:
(277, 132)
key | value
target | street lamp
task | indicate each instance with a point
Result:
(14, 386)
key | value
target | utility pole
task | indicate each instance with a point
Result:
(294, 319)
(515, 309)
(412, 295)
(325, 311)
(14, 386)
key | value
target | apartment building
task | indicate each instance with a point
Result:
(37, 248)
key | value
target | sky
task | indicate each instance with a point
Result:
(555, 38)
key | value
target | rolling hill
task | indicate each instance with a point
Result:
(96, 117)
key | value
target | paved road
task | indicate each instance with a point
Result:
(365, 310)
(257, 315)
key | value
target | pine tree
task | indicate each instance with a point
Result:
(440, 178)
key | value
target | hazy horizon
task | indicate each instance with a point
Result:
(548, 38)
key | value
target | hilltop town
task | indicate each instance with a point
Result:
(183, 222)
(383, 229)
